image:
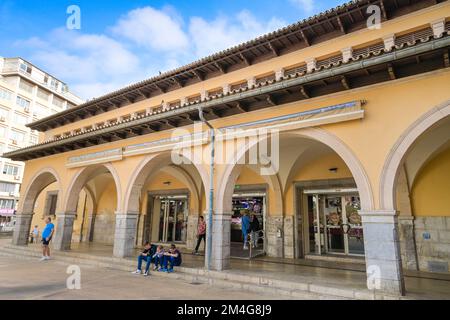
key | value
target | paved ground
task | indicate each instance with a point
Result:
(28, 279)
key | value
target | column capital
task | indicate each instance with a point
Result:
(378, 216)
(130, 214)
(66, 215)
(22, 214)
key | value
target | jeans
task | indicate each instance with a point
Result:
(147, 259)
(200, 237)
(174, 262)
(158, 261)
(245, 235)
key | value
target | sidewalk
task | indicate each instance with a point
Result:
(265, 275)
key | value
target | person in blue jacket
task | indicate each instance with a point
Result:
(245, 224)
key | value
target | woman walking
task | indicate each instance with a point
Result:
(201, 233)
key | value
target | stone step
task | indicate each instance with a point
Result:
(227, 279)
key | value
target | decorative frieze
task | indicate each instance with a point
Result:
(389, 42)
(438, 27)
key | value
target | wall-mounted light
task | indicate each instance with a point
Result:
(334, 170)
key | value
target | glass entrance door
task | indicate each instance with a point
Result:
(334, 224)
(172, 220)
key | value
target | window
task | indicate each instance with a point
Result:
(58, 102)
(41, 111)
(20, 119)
(26, 86)
(2, 132)
(7, 204)
(10, 170)
(23, 103)
(46, 79)
(5, 94)
(7, 187)
(17, 137)
(42, 94)
(25, 68)
(50, 203)
(54, 84)
(33, 140)
(3, 115)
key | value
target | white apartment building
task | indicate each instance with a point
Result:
(27, 94)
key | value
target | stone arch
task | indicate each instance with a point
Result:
(39, 182)
(141, 173)
(396, 156)
(325, 137)
(83, 176)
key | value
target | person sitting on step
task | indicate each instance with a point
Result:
(158, 258)
(172, 258)
(146, 255)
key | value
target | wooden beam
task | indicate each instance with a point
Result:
(304, 92)
(220, 67)
(178, 82)
(247, 61)
(241, 107)
(160, 88)
(391, 72)
(341, 25)
(383, 10)
(144, 94)
(345, 83)
(446, 60)
(271, 100)
(199, 74)
(274, 50)
(305, 38)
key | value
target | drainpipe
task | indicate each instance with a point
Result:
(211, 189)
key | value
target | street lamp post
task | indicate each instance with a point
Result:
(211, 189)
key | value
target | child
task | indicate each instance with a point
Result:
(158, 257)
(173, 256)
(146, 255)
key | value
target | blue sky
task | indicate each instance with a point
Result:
(124, 41)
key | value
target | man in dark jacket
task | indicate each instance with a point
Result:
(254, 229)
(146, 255)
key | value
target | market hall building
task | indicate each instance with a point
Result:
(363, 126)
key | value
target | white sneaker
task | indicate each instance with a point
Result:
(47, 258)
(43, 258)
(137, 272)
(245, 248)
(145, 274)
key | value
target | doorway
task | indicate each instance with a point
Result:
(169, 219)
(251, 203)
(333, 223)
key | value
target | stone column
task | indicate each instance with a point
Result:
(22, 229)
(88, 236)
(407, 243)
(125, 234)
(274, 236)
(63, 231)
(289, 248)
(191, 232)
(382, 252)
(221, 236)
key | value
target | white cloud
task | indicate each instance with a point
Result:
(141, 43)
(221, 33)
(306, 5)
(153, 29)
(85, 59)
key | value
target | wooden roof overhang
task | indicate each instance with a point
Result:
(375, 68)
(343, 19)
